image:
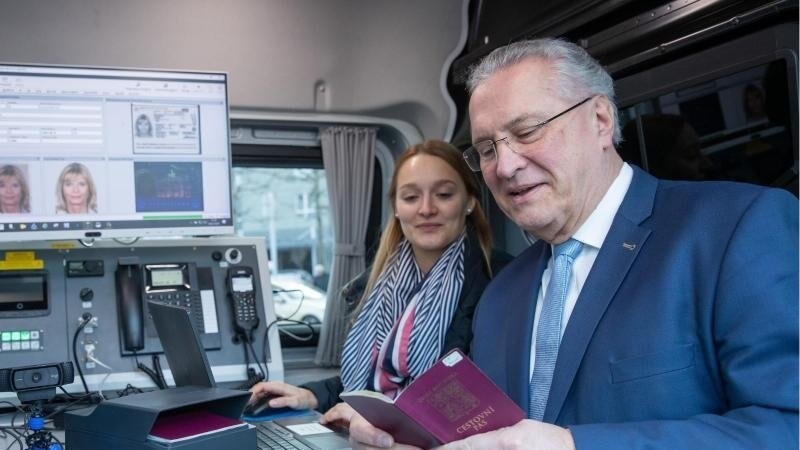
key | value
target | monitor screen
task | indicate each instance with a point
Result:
(95, 153)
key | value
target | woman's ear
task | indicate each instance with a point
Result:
(471, 205)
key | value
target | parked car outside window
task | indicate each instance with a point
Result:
(296, 300)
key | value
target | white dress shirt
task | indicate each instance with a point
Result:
(592, 234)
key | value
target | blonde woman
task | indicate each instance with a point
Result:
(14, 193)
(75, 190)
(431, 267)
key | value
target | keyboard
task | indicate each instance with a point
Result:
(272, 436)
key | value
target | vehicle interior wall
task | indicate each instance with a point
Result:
(294, 67)
(691, 61)
(377, 58)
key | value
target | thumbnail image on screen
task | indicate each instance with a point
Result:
(173, 129)
(168, 186)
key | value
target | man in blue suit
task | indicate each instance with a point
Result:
(668, 318)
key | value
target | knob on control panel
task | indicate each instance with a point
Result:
(86, 294)
(233, 256)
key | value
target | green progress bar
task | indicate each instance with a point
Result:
(190, 217)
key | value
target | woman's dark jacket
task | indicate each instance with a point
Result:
(459, 335)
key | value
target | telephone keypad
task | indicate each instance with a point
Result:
(189, 300)
(246, 307)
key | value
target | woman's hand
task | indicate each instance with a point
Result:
(285, 395)
(340, 416)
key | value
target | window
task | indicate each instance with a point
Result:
(732, 128)
(289, 208)
(724, 112)
(280, 193)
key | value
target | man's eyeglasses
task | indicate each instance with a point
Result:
(484, 153)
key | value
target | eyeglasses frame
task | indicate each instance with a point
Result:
(468, 153)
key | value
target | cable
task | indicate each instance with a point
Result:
(34, 436)
(67, 393)
(17, 437)
(100, 363)
(150, 372)
(129, 389)
(300, 304)
(12, 405)
(253, 377)
(243, 338)
(103, 381)
(158, 370)
(86, 317)
(265, 344)
(249, 344)
(295, 336)
(63, 408)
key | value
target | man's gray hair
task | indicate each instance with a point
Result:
(577, 74)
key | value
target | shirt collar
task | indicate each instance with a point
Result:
(593, 232)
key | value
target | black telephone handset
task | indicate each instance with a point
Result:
(130, 306)
(241, 285)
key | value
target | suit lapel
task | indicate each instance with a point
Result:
(620, 248)
(520, 324)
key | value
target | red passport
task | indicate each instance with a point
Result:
(451, 401)
(190, 424)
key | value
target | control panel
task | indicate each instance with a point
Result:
(54, 295)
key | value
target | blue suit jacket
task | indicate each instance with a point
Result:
(685, 334)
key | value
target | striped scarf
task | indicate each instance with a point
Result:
(400, 331)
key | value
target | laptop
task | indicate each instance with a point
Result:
(189, 364)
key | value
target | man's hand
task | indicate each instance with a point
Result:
(364, 436)
(287, 395)
(527, 434)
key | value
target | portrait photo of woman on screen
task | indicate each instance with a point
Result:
(75, 190)
(14, 193)
(143, 127)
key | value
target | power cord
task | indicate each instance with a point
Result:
(249, 345)
(103, 381)
(253, 378)
(265, 344)
(85, 319)
(246, 339)
(15, 432)
(70, 396)
(157, 380)
(66, 406)
(32, 434)
(129, 390)
(299, 305)
(158, 370)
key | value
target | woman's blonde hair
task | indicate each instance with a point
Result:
(393, 233)
(12, 171)
(76, 168)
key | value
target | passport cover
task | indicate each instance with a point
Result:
(190, 424)
(451, 401)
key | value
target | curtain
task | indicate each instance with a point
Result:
(348, 154)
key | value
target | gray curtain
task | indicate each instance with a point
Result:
(348, 154)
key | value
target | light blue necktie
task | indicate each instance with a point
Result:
(548, 334)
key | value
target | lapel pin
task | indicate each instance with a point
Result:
(628, 246)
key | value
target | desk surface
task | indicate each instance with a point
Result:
(293, 376)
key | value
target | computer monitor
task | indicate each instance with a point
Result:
(98, 152)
